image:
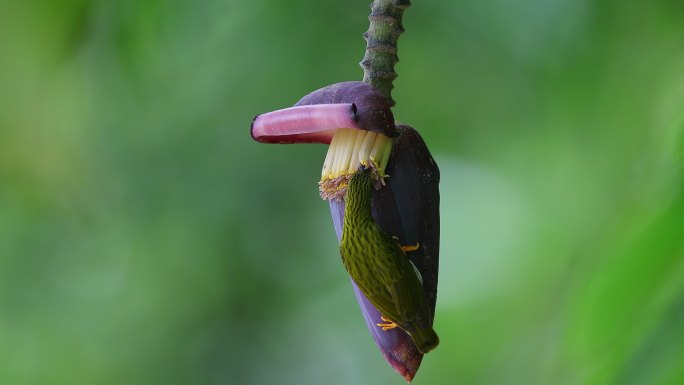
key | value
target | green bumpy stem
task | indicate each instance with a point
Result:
(381, 44)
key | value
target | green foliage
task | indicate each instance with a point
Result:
(145, 239)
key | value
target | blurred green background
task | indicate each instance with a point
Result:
(146, 239)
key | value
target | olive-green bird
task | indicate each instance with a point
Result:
(381, 269)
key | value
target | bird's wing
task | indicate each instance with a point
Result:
(400, 300)
(386, 303)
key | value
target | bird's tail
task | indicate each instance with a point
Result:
(425, 339)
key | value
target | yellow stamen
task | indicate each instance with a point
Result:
(348, 149)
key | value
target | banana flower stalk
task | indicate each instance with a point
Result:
(355, 120)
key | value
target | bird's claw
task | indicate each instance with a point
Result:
(388, 325)
(408, 248)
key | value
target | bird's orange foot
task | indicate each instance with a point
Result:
(407, 248)
(411, 247)
(388, 325)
